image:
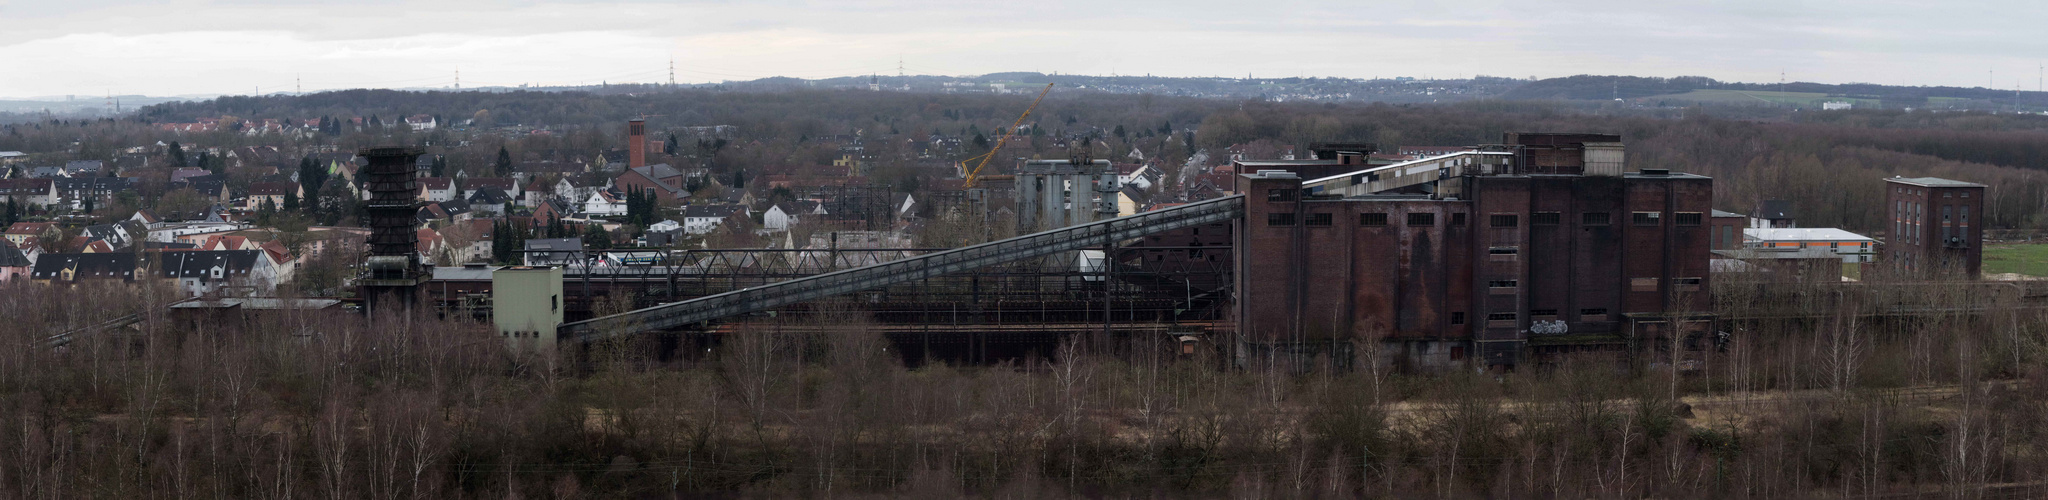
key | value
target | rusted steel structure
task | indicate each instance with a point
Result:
(1480, 262)
(393, 273)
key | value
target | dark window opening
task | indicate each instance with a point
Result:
(1501, 317)
(1506, 220)
(1372, 219)
(1458, 318)
(1280, 195)
(1501, 284)
(1597, 313)
(1595, 218)
(1422, 219)
(1280, 219)
(1649, 218)
(1544, 219)
(1318, 220)
(1503, 250)
(1686, 218)
(1457, 219)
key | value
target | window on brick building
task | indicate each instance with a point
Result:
(1422, 219)
(1317, 220)
(1593, 314)
(1458, 318)
(1642, 284)
(1372, 219)
(1282, 194)
(1542, 314)
(1501, 284)
(1686, 218)
(1649, 218)
(1544, 219)
(1502, 320)
(1686, 284)
(1595, 219)
(1280, 219)
(1505, 220)
(1457, 219)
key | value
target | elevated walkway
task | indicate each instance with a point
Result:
(760, 298)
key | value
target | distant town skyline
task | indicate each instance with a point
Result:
(95, 47)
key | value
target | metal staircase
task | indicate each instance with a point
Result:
(1067, 239)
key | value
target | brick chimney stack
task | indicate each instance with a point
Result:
(636, 143)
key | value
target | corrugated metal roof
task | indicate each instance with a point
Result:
(1933, 182)
(1803, 234)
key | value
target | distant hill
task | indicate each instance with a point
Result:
(1685, 89)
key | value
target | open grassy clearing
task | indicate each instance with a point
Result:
(2024, 258)
(1760, 96)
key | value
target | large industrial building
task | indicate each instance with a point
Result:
(1932, 233)
(1544, 242)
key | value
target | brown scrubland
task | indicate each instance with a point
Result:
(1823, 390)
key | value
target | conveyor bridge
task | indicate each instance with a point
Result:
(1084, 236)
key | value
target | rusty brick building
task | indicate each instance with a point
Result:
(1543, 244)
(1935, 226)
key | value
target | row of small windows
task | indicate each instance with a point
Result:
(1946, 194)
(1380, 219)
(1504, 319)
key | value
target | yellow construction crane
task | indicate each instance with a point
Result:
(975, 174)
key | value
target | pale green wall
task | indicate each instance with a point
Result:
(527, 305)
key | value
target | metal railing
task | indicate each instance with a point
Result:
(1079, 237)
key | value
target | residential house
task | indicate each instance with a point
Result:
(231, 273)
(73, 268)
(776, 219)
(423, 166)
(906, 205)
(420, 123)
(216, 242)
(1141, 175)
(48, 172)
(701, 219)
(489, 200)
(21, 234)
(213, 187)
(14, 263)
(507, 185)
(535, 192)
(282, 262)
(29, 192)
(436, 189)
(115, 236)
(147, 219)
(451, 211)
(603, 204)
(253, 156)
(73, 192)
(570, 191)
(183, 173)
(431, 246)
(782, 215)
(189, 232)
(552, 209)
(274, 193)
(85, 168)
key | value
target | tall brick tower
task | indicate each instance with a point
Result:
(636, 143)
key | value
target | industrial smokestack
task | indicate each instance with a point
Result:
(636, 143)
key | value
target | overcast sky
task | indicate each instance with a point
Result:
(92, 47)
